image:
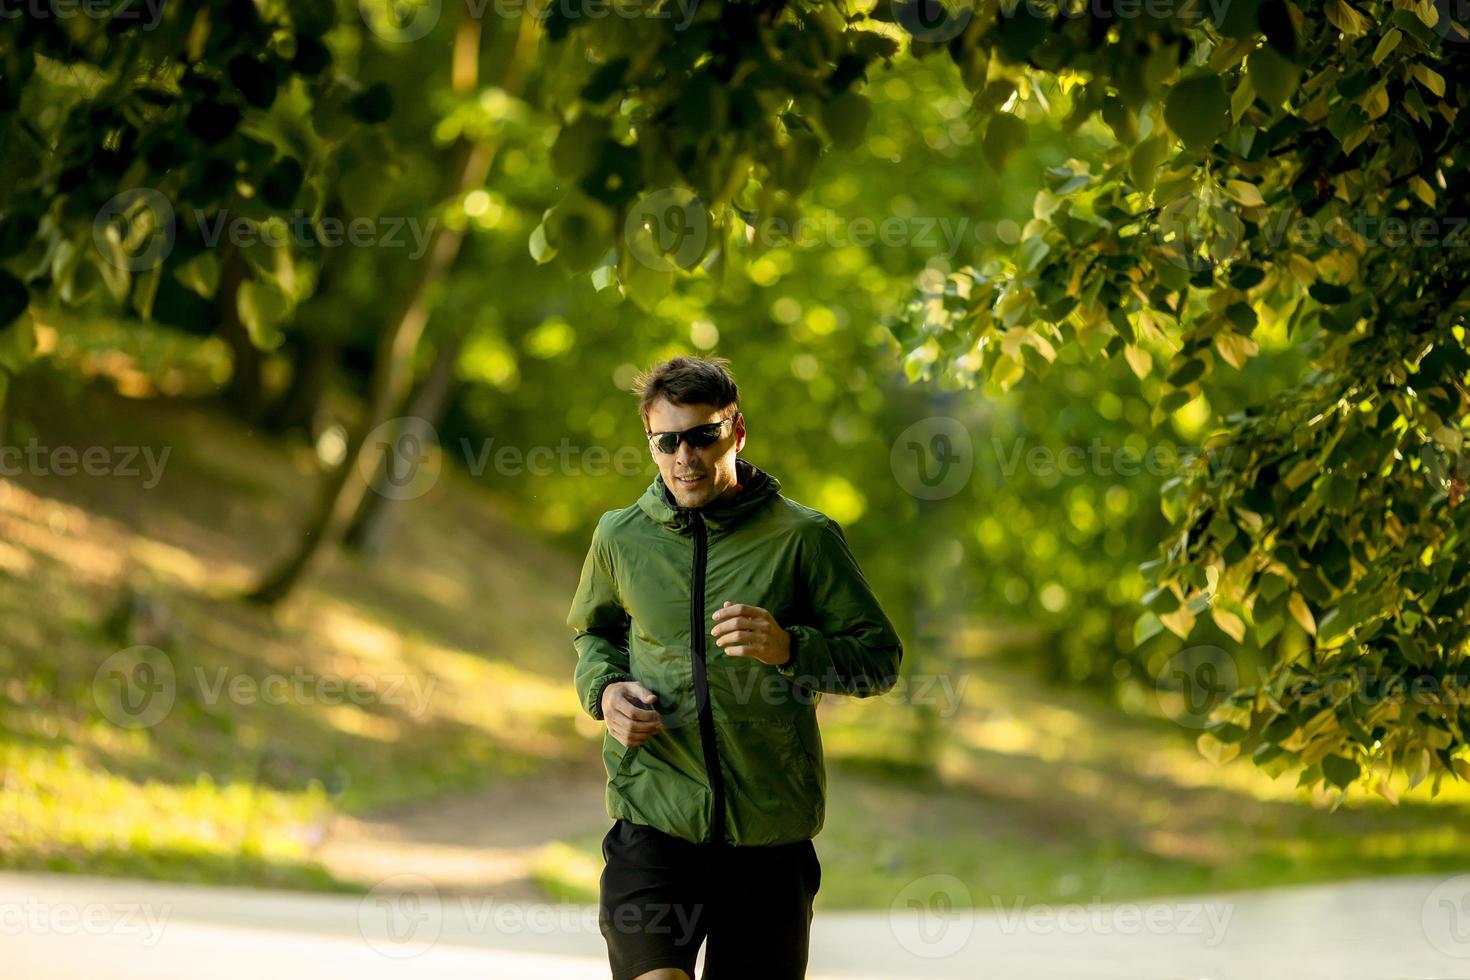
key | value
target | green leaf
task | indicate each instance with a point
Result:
(1119, 319)
(1238, 19)
(846, 119)
(580, 230)
(1033, 250)
(574, 151)
(1329, 294)
(1187, 372)
(1021, 30)
(14, 297)
(1161, 599)
(282, 183)
(1242, 315)
(201, 273)
(1003, 137)
(1339, 770)
(1174, 401)
(145, 290)
(541, 250)
(1275, 79)
(1197, 110)
(372, 106)
(1143, 163)
(1121, 120)
(18, 344)
(1226, 731)
(643, 285)
(263, 307)
(1146, 627)
(1268, 627)
(1388, 43)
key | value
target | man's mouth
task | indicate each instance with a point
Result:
(688, 481)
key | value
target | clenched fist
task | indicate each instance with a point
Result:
(630, 724)
(749, 631)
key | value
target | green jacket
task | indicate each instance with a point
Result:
(739, 758)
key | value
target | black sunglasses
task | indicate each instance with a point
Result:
(697, 437)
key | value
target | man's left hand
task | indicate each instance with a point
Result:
(750, 631)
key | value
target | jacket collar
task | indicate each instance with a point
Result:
(757, 487)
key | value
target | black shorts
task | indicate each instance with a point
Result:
(661, 896)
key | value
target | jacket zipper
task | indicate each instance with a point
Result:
(701, 683)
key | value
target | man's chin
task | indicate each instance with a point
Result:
(691, 498)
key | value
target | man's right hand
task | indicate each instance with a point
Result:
(630, 724)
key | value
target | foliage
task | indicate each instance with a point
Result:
(1269, 163)
(140, 138)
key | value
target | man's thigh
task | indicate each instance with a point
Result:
(652, 908)
(761, 900)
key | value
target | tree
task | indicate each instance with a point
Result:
(1266, 163)
(136, 136)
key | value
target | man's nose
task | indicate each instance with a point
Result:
(685, 454)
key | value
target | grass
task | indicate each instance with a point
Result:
(1022, 793)
(455, 643)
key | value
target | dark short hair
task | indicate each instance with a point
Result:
(687, 380)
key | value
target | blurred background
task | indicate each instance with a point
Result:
(200, 683)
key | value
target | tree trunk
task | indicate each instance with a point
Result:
(369, 531)
(245, 392)
(344, 487)
(301, 404)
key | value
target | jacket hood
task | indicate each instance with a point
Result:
(757, 487)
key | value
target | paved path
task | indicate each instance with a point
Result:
(55, 927)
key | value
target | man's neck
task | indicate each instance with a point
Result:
(729, 495)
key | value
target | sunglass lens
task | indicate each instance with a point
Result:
(703, 435)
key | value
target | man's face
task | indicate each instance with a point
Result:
(713, 467)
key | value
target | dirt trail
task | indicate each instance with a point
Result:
(479, 843)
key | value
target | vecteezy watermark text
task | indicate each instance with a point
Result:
(565, 458)
(137, 688)
(34, 459)
(136, 230)
(36, 916)
(146, 14)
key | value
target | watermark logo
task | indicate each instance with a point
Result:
(135, 688)
(667, 229)
(932, 21)
(400, 21)
(1193, 682)
(932, 459)
(1445, 917)
(135, 230)
(402, 917)
(408, 461)
(932, 917)
(1454, 20)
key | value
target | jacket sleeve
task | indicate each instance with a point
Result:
(601, 626)
(854, 649)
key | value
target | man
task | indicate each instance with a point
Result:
(709, 616)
